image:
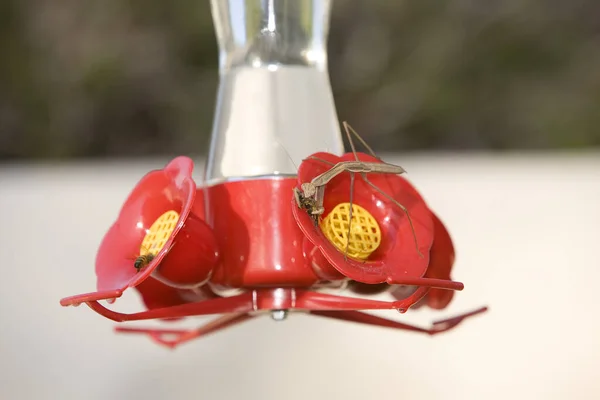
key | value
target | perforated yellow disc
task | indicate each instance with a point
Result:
(159, 233)
(365, 235)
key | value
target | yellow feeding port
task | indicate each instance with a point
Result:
(159, 233)
(364, 236)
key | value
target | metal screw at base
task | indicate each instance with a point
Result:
(279, 315)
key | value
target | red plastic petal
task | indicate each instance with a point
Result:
(158, 295)
(319, 264)
(440, 265)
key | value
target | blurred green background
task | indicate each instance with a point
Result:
(100, 78)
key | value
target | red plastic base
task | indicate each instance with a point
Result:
(181, 336)
(242, 307)
(249, 237)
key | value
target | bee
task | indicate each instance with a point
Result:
(143, 260)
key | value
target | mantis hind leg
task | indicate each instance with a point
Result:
(364, 176)
(348, 235)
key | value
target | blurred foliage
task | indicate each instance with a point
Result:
(114, 77)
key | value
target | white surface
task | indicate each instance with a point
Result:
(527, 231)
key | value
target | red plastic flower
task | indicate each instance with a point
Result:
(396, 260)
(187, 257)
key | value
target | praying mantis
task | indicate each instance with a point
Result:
(311, 194)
